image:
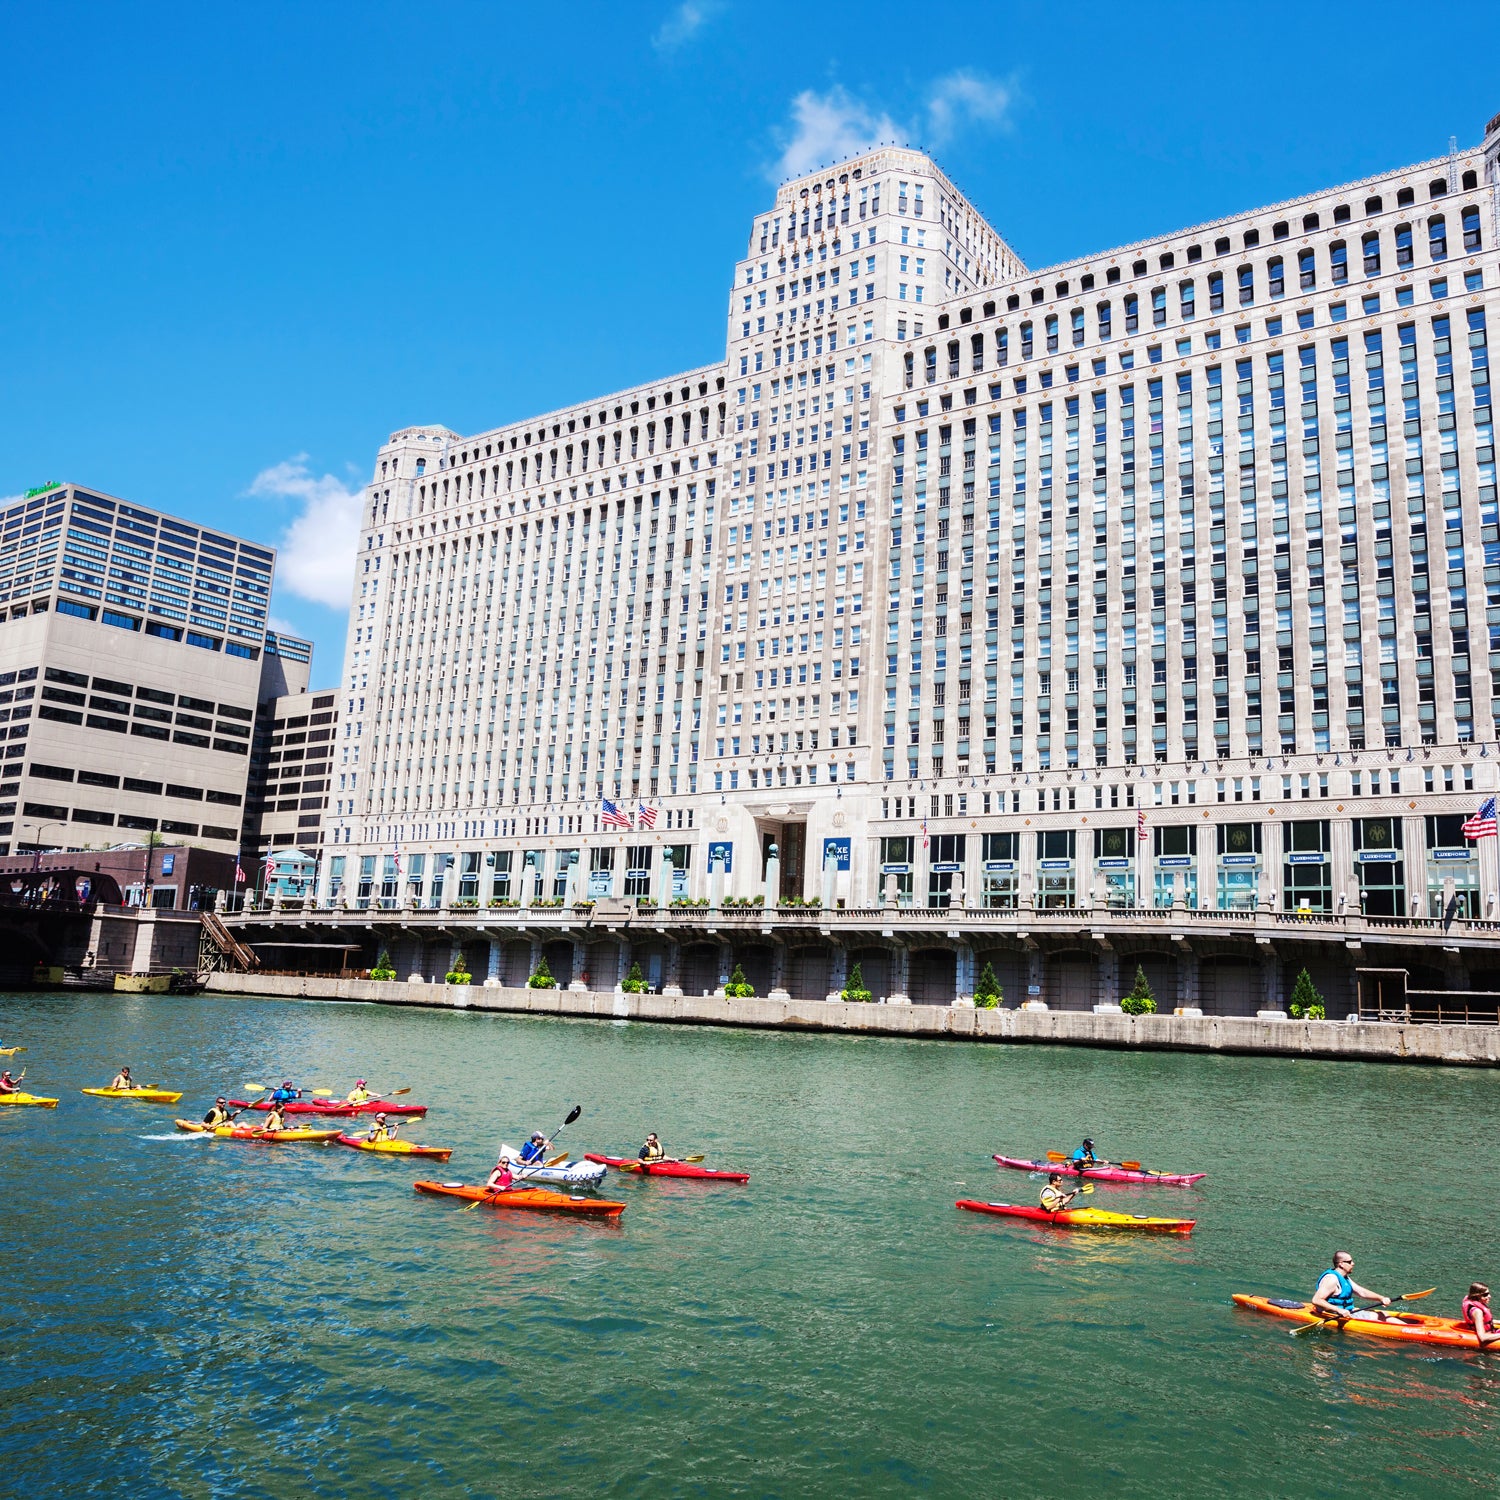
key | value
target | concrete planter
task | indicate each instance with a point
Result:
(1033, 1005)
(1187, 1010)
(1109, 1008)
(1271, 1015)
(416, 979)
(963, 1002)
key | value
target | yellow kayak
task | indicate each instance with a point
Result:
(252, 1133)
(21, 1098)
(148, 1096)
(10, 1051)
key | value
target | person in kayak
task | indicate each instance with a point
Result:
(1054, 1197)
(653, 1149)
(1336, 1291)
(1475, 1313)
(219, 1114)
(123, 1080)
(286, 1093)
(9, 1085)
(534, 1152)
(274, 1120)
(359, 1094)
(1084, 1155)
(381, 1131)
(500, 1179)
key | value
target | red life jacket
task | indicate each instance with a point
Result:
(1466, 1313)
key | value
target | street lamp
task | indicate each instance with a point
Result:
(36, 854)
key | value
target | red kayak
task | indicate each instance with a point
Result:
(1103, 1173)
(334, 1107)
(667, 1168)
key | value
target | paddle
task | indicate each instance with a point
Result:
(1339, 1322)
(573, 1114)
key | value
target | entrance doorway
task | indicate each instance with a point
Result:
(791, 842)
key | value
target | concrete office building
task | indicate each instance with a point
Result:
(130, 661)
(1161, 580)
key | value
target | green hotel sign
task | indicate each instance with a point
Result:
(41, 489)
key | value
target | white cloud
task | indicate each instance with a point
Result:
(830, 127)
(315, 558)
(965, 98)
(685, 22)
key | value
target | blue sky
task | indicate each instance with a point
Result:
(238, 248)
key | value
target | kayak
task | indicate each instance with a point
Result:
(1103, 1174)
(584, 1174)
(534, 1198)
(397, 1148)
(666, 1168)
(10, 1051)
(301, 1135)
(23, 1098)
(333, 1107)
(1079, 1218)
(147, 1096)
(1413, 1328)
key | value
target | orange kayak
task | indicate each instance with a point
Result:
(531, 1197)
(1411, 1328)
(397, 1148)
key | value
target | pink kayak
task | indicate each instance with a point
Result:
(666, 1168)
(1104, 1174)
(334, 1107)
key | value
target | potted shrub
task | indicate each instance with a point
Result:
(1307, 1003)
(1140, 1001)
(459, 973)
(383, 969)
(634, 982)
(738, 988)
(854, 987)
(541, 978)
(987, 992)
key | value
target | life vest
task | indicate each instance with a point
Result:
(653, 1153)
(1053, 1199)
(1344, 1297)
(1466, 1313)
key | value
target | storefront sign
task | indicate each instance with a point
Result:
(1307, 859)
(1175, 862)
(895, 869)
(1056, 864)
(836, 849)
(721, 857)
(1112, 864)
(999, 864)
(679, 881)
(1377, 857)
(946, 867)
(1230, 860)
(1452, 854)
(601, 883)
(638, 874)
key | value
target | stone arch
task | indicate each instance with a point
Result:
(698, 969)
(559, 956)
(602, 964)
(515, 963)
(758, 960)
(1229, 986)
(1011, 970)
(877, 967)
(933, 976)
(1161, 975)
(808, 968)
(1070, 980)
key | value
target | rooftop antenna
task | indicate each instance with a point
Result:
(1452, 163)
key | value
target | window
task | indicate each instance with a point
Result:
(1437, 237)
(1371, 247)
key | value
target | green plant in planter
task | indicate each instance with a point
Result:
(1307, 1003)
(854, 987)
(987, 991)
(383, 969)
(458, 974)
(634, 982)
(542, 978)
(1140, 1001)
(739, 988)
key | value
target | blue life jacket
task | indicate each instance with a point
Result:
(531, 1152)
(1080, 1156)
(1344, 1297)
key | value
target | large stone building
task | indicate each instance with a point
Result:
(1158, 580)
(130, 664)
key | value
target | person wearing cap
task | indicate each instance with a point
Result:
(534, 1152)
(286, 1093)
(359, 1094)
(123, 1080)
(1054, 1197)
(1084, 1155)
(381, 1130)
(219, 1114)
(1475, 1313)
(653, 1149)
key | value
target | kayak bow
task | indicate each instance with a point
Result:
(666, 1168)
(397, 1148)
(1079, 1218)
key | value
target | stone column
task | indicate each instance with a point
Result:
(778, 989)
(671, 969)
(1110, 982)
(964, 971)
(492, 976)
(663, 878)
(1189, 993)
(838, 971)
(580, 962)
(901, 977)
(536, 954)
(450, 879)
(772, 887)
(830, 874)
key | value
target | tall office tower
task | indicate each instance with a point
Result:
(130, 646)
(1161, 576)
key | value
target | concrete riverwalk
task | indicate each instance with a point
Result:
(1359, 1041)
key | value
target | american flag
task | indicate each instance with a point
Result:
(398, 859)
(925, 840)
(645, 816)
(1142, 833)
(1482, 824)
(239, 874)
(612, 817)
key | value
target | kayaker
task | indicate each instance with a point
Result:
(9, 1085)
(500, 1179)
(123, 1080)
(1084, 1155)
(1336, 1291)
(653, 1149)
(534, 1152)
(286, 1093)
(1476, 1313)
(359, 1094)
(219, 1114)
(274, 1120)
(1054, 1197)
(380, 1131)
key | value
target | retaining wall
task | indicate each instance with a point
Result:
(1364, 1041)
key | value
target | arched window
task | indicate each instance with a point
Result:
(1132, 312)
(1215, 291)
(1051, 333)
(421, 466)
(1437, 237)
(1470, 181)
(1186, 295)
(1404, 253)
(909, 363)
(1374, 205)
(1307, 270)
(1103, 315)
(1276, 277)
(1371, 246)
(1078, 329)
(1338, 262)
(931, 372)
(952, 358)
(1026, 344)
(1158, 306)
(1002, 346)
(1472, 238)
(1247, 285)
(976, 349)
(1437, 187)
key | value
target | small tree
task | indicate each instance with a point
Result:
(1140, 1001)
(854, 987)
(458, 974)
(739, 988)
(987, 992)
(541, 978)
(1307, 1003)
(383, 969)
(635, 981)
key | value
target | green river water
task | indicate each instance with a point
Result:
(203, 1318)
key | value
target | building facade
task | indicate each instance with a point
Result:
(130, 662)
(1161, 578)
